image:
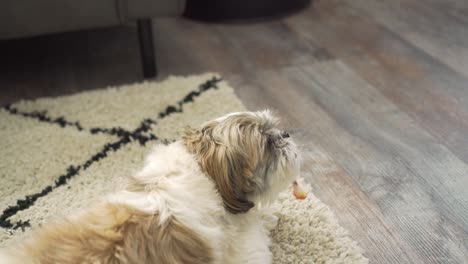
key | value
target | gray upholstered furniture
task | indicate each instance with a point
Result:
(26, 18)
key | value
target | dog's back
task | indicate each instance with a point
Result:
(166, 221)
(112, 233)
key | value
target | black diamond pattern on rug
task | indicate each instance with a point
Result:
(142, 134)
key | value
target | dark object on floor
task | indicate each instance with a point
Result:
(145, 38)
(241, 11)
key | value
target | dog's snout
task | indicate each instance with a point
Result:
(284, 134)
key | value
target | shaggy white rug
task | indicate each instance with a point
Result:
(61, 154)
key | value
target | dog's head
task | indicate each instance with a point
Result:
(246, 155)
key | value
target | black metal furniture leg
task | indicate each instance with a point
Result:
(145, 38)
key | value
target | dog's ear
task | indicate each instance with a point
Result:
(231, 175)
(225, 165)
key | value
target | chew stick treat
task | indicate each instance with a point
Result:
(299, 191)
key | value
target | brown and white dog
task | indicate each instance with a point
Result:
(198, 200)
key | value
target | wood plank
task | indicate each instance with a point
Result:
(229, 48)
(424, 194)
(185, 47)
(440, 29)
(429, 91)
(354, 210)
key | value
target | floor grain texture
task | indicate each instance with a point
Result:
(376, 93)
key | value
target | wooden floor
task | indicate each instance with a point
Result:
(375, 91)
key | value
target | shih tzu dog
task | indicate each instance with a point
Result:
(202, 199)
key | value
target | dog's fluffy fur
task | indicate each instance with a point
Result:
(199, 200)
